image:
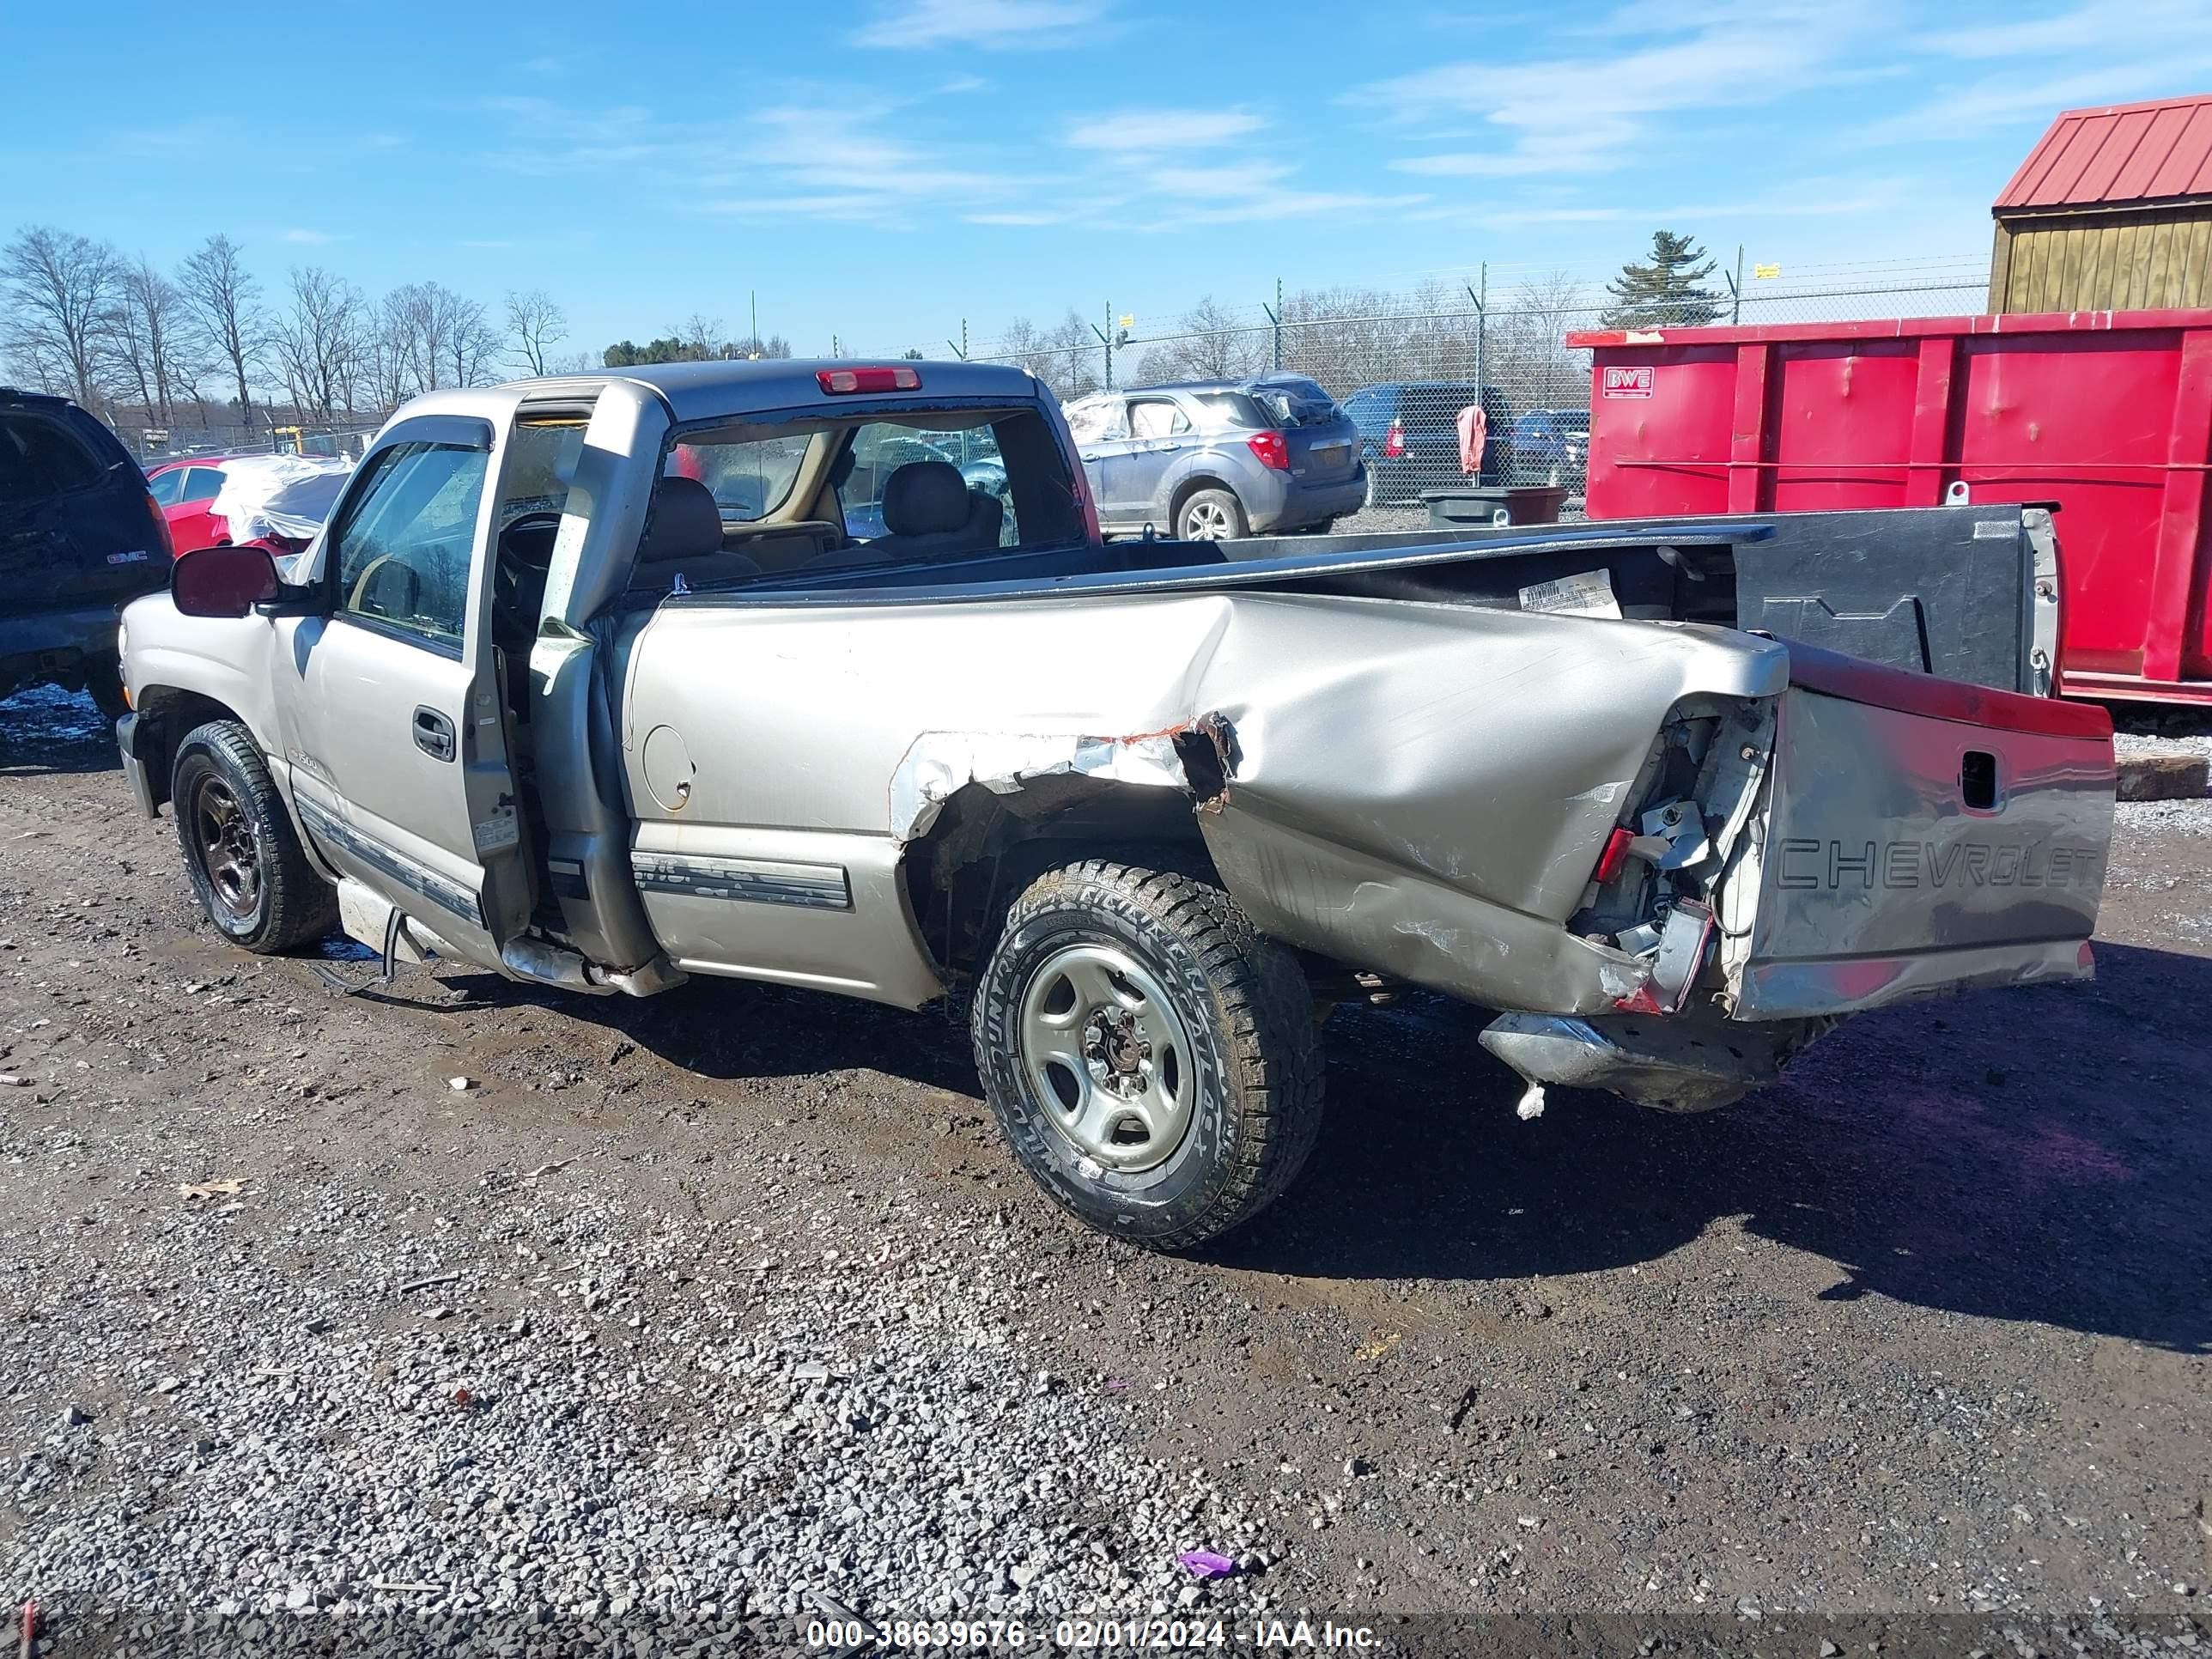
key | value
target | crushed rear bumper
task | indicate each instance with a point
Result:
(1675, 1065)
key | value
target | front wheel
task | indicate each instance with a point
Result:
(246, 864)
(1150, 1056)
(1210, 515)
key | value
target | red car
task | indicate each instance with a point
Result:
(184, 488)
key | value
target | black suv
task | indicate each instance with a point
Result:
(79, 538)
(1409, 438)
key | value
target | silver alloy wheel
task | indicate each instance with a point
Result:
(1205, 520)
(1108, 1057)
(229, 848)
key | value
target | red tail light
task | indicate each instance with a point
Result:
(1615, 855)
(889, 377)
(1393, 442)
(1271, 449)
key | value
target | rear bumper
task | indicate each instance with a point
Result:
(53, 645)
(1674, 1065)
(137, 767)
(1851, 985)
(1297, 502)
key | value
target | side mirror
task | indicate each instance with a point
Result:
(223, 582)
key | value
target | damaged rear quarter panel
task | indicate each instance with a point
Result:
(1420, 789)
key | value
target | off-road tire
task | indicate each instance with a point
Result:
(1245, 1006)
(1225, 500)
(294, 905)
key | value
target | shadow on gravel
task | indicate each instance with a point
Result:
(2025, 1155)
(2037, 1155)
(726, 1028)
(46, 729)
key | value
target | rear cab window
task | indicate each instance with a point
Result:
(1000, 481)
(41, 460)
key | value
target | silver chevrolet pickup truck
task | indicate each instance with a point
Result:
(822, 674)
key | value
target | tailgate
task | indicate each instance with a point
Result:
(1324, 452)
(1922, 836)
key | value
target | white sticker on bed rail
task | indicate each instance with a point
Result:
(1589, 594)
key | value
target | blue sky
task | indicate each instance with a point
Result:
(881, 169)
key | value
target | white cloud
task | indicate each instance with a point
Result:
(305, 238)
(1586, 114)
(2094, 28)
(996, 25)
(1131, 131)
(2003, 99)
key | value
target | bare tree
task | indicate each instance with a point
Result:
(1209, 344)
(386, 365)
(226, 301)
(152, 338)
(700, 336)
(535, 324)
(315, 339)
(471, 344)
(62, 288)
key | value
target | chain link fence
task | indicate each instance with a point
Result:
(1405, 361)
(151, 442)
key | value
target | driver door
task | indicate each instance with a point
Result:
(400, 768)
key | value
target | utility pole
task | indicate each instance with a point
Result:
(754, 294)
(1735, 287)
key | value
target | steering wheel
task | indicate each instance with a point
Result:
(520, 549)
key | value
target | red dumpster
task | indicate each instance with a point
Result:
(2107, 414)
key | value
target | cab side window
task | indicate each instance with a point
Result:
(401, 555)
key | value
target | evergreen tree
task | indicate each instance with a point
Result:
(1667, 291)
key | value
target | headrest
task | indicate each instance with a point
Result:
(925, 498)
(685, 522)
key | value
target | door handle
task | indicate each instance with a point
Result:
(434, 735)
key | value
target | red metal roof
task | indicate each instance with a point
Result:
(2118, 154)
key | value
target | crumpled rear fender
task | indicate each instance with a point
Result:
(1420, 790)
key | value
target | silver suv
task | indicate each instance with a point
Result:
(1209, 459)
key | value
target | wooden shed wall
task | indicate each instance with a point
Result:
(2122, 261)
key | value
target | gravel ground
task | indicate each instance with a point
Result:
(689, 1315)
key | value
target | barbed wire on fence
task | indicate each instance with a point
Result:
(1504, 330)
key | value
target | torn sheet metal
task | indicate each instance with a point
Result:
(940, 764)
(1684, 1065)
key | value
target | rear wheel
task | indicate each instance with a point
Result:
(246, 864)
(1210, 515)
(1150, 1056)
